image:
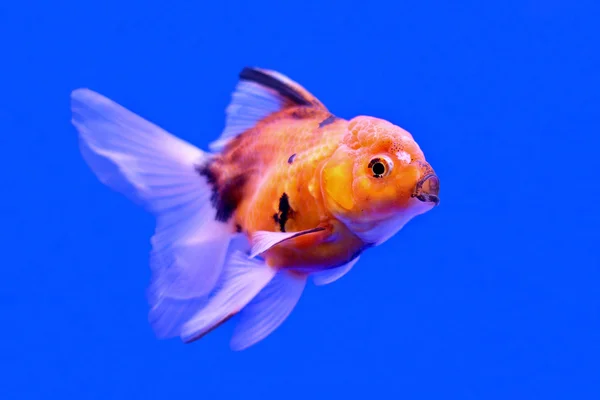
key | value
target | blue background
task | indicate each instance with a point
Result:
(493, 295)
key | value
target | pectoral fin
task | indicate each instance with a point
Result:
(264, 240)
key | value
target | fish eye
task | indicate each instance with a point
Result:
(381, 166)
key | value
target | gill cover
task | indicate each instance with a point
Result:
(337, 180)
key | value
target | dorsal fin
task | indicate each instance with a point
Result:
(258, 94)
(287, 89)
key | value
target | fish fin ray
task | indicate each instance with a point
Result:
(157, 170)
(168, 315)
(258, 94)
(268, 310)
(328, 276)
(264, 240)
(241, 280)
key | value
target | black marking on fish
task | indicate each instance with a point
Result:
(291, 159)
(276, 218)
(285, 211)
(329, 120)
(254, 75)
(225, 197)
(238, 228)
(205, 171)
(231, 196)
(304, 112)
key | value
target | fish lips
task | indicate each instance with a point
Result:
(427, 189)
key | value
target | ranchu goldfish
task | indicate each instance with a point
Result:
(287, 192)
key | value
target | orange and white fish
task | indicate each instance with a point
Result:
(288, 191)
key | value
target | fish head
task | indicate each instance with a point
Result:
(378, 179)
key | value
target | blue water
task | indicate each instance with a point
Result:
(492, 295)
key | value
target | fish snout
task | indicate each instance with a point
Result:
(428, 189)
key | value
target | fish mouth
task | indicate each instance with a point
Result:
(427, 189)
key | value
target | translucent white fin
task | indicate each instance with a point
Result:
(328, 276)
(250, 103)
(168, 315)
(158, 171)
(264, 240)
(267, 311)
(241, 280)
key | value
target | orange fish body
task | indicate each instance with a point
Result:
(282, 190)
(290, 191)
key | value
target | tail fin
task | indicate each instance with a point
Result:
(159, 172)
(201, 272)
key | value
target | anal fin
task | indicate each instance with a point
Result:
(268, 310)
(242, 279)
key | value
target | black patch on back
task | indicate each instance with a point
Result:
(285, 212)
(253, 75)
(226, 197)
(304, 112)
(329, 120)
(291, 159)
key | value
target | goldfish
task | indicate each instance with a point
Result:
(288, 192)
